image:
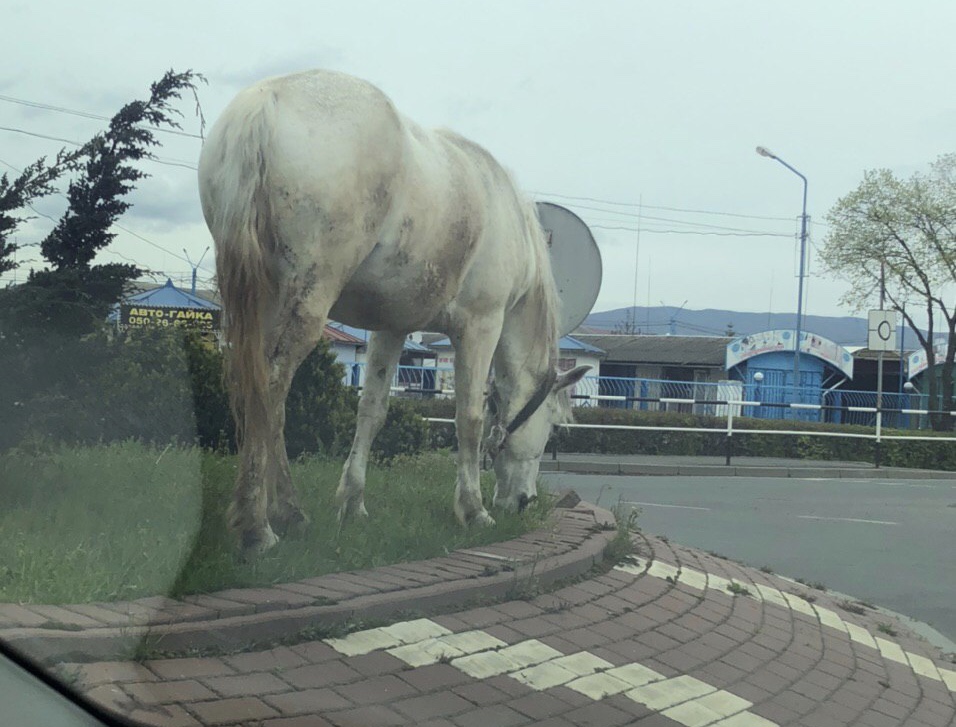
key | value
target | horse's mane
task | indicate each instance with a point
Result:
(543, 285)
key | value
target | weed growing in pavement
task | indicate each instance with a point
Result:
(853, 607)
(622, 545)
(885, 628)
(559, 606)
(737, 589)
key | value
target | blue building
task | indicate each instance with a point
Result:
(764, 363)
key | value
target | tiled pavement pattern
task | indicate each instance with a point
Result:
(662, 641)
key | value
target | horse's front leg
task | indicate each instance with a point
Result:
(384, 351)
(474, 350)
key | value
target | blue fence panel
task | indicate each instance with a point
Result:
(639, 393)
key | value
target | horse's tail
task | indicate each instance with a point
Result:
(233, 171)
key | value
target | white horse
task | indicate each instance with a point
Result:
(324, 201)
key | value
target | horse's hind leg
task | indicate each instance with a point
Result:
(293, 341)
(384, 351)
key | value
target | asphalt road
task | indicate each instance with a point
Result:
(890, 542)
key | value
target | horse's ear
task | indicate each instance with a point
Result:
(569, 378)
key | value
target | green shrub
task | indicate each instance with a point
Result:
(320, 409)
(162, 386)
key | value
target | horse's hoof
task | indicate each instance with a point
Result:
(350, 509)
(292, 523)
(482, 519)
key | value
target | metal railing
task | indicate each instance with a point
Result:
(708, 398)
(734, 407)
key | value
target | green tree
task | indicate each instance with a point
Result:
(320, 408)
(74, 294)
(898, 237)
(15, 194)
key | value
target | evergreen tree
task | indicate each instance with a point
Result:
(73, 295)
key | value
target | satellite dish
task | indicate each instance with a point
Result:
(575, 262)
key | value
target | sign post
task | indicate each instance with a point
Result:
(882, 338)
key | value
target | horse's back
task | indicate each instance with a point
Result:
(394, 214)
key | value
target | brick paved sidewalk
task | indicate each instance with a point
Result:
(675, 637)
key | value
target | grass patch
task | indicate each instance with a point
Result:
(885, 628)
(737, 589)
(122, 521)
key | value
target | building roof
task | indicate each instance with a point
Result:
(867, 354)
(337, 335)
(572, 343)
(169, 296)
(665, 350)
(361, 335)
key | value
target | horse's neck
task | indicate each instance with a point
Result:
(527, 354)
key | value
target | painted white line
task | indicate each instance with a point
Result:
(846, 520)
(659, 569)
(560, 671)
(658, 504)
(432, 651)
(670, 692)
(949, 678)
(745, 719)
(405, 632)
(513, 658)
(707, 709)
(919, 664)
(891, 651)
(492, 556)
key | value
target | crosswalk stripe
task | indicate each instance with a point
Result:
(696, 579)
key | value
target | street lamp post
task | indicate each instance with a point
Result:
(764, 151)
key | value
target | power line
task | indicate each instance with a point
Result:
(658, 207)
(158, 160)
(692, 232)
(88, 115)
(115, 224)
(663, 219)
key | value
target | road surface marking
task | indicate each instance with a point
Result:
(888, 649)
(684, 699)
(658, 504)
(846, 520)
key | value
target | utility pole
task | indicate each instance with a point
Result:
(194, 267)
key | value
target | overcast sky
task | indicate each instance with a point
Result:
(634, 114)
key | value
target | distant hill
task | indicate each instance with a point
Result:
(845, 330)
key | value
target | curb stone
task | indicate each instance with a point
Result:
(233, 619)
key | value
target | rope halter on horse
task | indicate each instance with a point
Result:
(498, 437)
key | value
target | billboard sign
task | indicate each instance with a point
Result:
(133, 315)
(746, 347)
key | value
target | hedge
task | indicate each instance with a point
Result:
(161, 387)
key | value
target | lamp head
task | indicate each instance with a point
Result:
(758, 377)
(765, 152)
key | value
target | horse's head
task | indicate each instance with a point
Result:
(517, 445)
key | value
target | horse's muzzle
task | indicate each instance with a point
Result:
(524, 501)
